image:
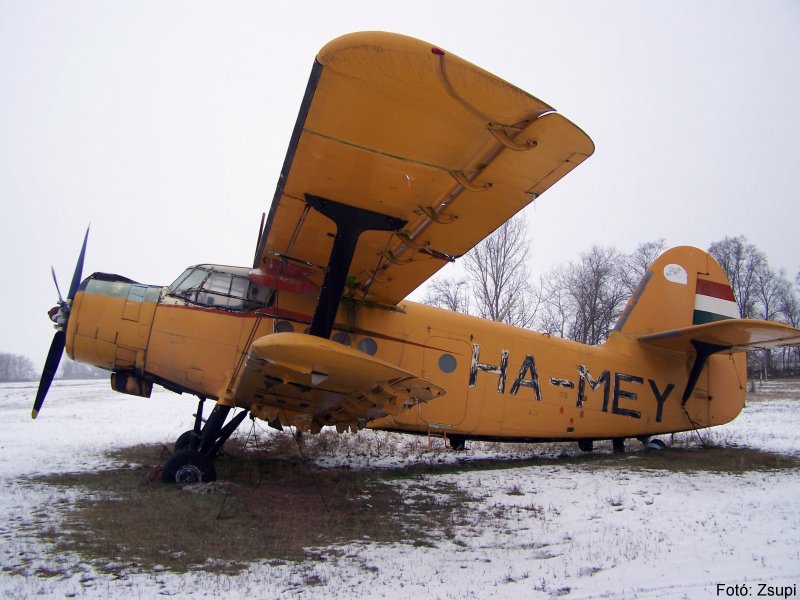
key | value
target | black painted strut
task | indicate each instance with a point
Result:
(351, 222)
(704, 351)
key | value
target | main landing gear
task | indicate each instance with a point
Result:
(196, 449)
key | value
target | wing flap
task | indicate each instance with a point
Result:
(308, 382)
(735, 334)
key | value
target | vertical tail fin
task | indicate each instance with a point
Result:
(685, 286)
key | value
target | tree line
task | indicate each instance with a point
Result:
(582, 299)
(16, 367)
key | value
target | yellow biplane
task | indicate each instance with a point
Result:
(403, 158)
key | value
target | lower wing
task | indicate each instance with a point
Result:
(309, 382)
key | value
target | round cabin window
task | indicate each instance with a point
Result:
(283, 327)
(368, 346)
(342, 338)
(447, 363)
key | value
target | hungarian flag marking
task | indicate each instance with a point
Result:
(714, 302)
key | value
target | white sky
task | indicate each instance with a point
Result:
(165, 124)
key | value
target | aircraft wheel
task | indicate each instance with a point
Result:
(188, 466)
(655, 444)
(184, 441)
(458, 443)
(618, 445)
(586, 445)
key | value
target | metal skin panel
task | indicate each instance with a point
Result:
(196, 348)
(103, 337)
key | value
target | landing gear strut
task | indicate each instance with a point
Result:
(196, 449)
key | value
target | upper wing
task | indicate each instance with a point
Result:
(733, 334)
(308, 382)
(395, 126)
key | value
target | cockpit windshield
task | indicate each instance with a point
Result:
(227, 288)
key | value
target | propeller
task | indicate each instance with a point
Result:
(59, 314)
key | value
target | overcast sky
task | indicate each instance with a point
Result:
(165, 124)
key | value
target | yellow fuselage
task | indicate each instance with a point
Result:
(501, 381)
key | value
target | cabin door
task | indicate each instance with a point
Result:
(446, 363)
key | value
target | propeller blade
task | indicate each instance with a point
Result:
(58, 290)
(49, 371)
(76, 277)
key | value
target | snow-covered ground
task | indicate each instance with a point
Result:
(556, 529)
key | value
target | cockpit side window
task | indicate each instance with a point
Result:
(188, 284)
(180, 279)
(217, 292)
(218, 287)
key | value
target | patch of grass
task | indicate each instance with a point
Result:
(683, 458)
(515, 490)
(274, 508)
(707, 460)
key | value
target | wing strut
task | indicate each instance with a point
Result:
(704, 351)
(351, 222)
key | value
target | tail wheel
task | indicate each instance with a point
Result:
(188, 466)
(655, 444)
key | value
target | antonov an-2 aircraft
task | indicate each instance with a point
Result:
(403, 158)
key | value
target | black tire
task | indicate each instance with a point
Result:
(586, 445)
(184, 441)
(188, 466)
(458, 443)
(656, 444)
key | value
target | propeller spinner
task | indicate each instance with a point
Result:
(59, 314)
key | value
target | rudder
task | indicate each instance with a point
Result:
(684, 286)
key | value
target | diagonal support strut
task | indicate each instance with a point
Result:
(704, 351)
(350, 222)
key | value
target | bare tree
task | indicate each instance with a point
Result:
(789, 306)
(452, 294)
(767, 289)
(556, 308)
(740, 261)
(15, 367)
(499, 277)
(582, 300)
(598, 293)
(634, 266)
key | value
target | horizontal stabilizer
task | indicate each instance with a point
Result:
(734, 335)
(307, 381)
